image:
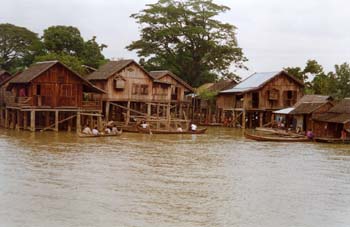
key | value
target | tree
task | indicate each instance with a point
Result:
(92, 53)
(343, 80)
(18, 46)
(72, 62)
(63, 39)
(185, 37)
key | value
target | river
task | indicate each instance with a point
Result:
(217, 179)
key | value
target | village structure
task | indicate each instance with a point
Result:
(50, 96)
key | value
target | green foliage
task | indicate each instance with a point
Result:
(72, 62)
(67, 40)
(206, 94)
(342, 80)
(18, 46)
(185, 37)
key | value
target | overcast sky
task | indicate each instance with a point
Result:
(273, 33)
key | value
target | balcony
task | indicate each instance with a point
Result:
(92, 105)
(239, 105)
(14, 101)
(160, 97)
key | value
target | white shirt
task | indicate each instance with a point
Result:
(87, 131)
(193, 127)
(95, 132)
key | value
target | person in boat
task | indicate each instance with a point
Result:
(87, 130)
(193, 127)
(310, 134)
(95, 131)
(179, 129)
(108, 130)
(343, 134)
(114, 130)
(144, 124)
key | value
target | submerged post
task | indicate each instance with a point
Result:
(32, 120)
(56, 120)
(78, 122)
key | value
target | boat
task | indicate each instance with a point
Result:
(81, 135)
(332, 140)
(274, 138)
(163, 131)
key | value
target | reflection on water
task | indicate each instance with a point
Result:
(217, 179)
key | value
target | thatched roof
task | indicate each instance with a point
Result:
(160, 74)
(338, 114)
(113, 67)
(39, 68)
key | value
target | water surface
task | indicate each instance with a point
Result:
(217, 179)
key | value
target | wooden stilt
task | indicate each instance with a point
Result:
(243, 119)
(107, 111)
(149, 111)
(127, 120)
(78, 128)
(13, 119)
(32, 120)
(25, 120)
(261, 119)
(56, 120)
(99, 123)
(250, 119)
(168, 116)
(47, 118)
(18, 121)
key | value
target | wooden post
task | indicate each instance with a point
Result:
(69, 127)
(243, 119)
(47, 118)
(32, 120)
(149, 111)
(158, 112)
(99, 123)
(25, 120)
(180, 111)
(13, 119)
(107, 111)
(127, 114)
(56, 120)
(261, 119)
(6, 118)
(168, 116)
(18, 121)
(78, 123)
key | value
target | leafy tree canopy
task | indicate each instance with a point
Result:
(72, 62)
(18, 46)
(186, 38)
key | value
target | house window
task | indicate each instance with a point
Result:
(119, 84)
(289, 95)
(38, 89)
(131, 72)
(144, 89)
(273, 94)
(135, 89)
(66, 90)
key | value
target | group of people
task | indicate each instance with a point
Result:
(109, 129)
(192, 126)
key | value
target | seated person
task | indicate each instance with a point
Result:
(193, 127)
(87, 130)
(309, 134)
(114, 130)
(108, 130)
(179, 129)
(144, 124)
(95, 132)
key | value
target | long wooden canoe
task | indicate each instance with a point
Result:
(275, 138)
(161, 131)
(332, 140)
(81, 135)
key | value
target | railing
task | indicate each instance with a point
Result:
(160, 97)
(18, 101)
(91, 105)
(239, 104)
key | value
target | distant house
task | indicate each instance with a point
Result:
(252, 101)
(131, 91)
(46, 94)
(299, 117)
(335, 121)
(4, 75)
(179, 90)
(211, 111)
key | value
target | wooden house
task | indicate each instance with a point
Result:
(209, 111)
(131, 91)
(335, 121)
(299, 117)
(48, 95)
(179, 89)
(251, 102)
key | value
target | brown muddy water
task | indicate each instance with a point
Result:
(217, 179)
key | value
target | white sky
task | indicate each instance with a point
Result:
(273, 33)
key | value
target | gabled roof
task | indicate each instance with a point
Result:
(340, 113)
(3, 72)
(258, 80)
(222, 85)
(112, 67)
(39, 68)
(160, 74)
(314, 99)
(310, 103)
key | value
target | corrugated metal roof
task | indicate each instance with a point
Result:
(252, 82)
(284, 111)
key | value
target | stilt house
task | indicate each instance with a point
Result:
(131, 92)
(48, 95)
(179, 89)
(251, 102)
(334, 122)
